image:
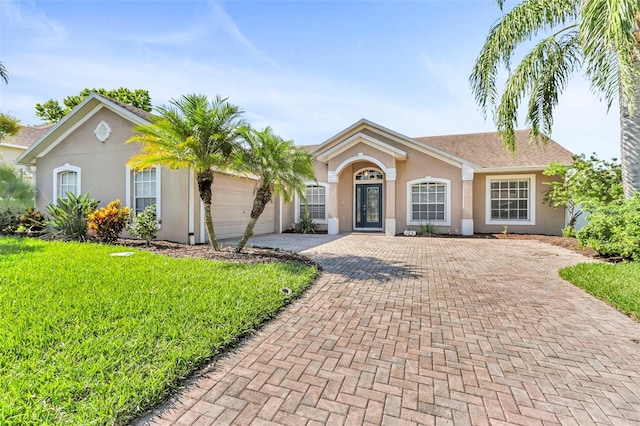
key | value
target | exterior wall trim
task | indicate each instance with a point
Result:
(361, 138)
(66, 168)
(390, 172)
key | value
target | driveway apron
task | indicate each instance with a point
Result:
(426, 331)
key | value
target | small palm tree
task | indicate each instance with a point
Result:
(192, 132)
(281, 167)
(600, 37)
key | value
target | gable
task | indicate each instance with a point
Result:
(384, 140)
(83, 112)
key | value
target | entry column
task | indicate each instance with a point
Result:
(467, 200)
(333, 225)
(390, 202)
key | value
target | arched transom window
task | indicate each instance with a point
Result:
(369, 175)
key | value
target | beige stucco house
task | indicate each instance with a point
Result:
(368, 178)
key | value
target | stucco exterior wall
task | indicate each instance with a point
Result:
(104, 173)
(548, 220)
(418, 166)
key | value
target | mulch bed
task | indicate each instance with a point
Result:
(226, 253)
(566, 242)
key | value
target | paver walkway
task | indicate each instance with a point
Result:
(427, 331)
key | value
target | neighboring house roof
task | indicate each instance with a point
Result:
(26, 136)
(69, 122)
(488, 151)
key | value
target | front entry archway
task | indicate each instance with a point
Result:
(368, 200)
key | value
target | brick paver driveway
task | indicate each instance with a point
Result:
(427, 331)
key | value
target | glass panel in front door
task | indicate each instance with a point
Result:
(373, 204)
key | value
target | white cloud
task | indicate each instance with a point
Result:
(232, 30)
(24, 16)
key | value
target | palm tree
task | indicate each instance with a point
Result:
(3, 74)
(598, 36)
(281, 168)
(191, 133)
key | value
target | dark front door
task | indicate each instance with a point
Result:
(369, 205)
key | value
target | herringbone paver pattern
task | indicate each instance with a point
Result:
(434, 331)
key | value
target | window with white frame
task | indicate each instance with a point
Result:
(315, 196)
(67, 179)
(511, 200)
(429, 201)
(316, 202)
(144, 188)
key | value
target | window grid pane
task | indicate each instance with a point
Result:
(67, 182)
(144, 188)
(428, 201)
(510, 199)
(316, 205)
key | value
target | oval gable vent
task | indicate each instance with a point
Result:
(102, 131)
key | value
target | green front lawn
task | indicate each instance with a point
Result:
(87, 338)
(617, 284)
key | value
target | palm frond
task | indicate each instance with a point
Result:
(522, 23)
(608, 37)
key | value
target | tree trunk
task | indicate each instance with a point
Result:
(263, 197)
(205, 183)
(630, 148)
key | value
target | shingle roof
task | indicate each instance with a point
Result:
(27, 135)
(488, 151)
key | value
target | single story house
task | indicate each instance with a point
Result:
(12, 146)
(368, 178)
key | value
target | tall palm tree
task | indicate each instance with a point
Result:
(281, 168)
(598, 36)
(191, 132)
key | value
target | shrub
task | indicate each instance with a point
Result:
(144, 225)
(306, 225)
(31, 221)
(614, 230)
(69, 217)
(428, 229)
(8, 222)
(109, 222)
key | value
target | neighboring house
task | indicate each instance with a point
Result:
(12, 146)
(369, 178)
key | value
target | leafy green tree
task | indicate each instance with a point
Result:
(15, 192)
(9, 125)
(51, 111)
(586, 184)
(597, 36)
(281, 167)
(192, 132)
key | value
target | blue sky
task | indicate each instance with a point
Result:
(306, 68)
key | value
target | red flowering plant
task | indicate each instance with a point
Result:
(108, 222)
